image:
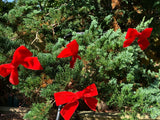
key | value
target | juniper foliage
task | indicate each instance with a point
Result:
(125, 77)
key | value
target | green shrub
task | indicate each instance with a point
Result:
(125, 77)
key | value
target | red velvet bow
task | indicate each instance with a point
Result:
(21, 56)
(142, 37)
(71, 50)
(72, 100)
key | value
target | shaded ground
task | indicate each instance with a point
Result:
(12, 113)
(10, 116)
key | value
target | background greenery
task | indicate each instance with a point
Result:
(127, 79)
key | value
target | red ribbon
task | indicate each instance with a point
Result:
(21, 56)
(72, 100)
(71, 50)
(142, 37)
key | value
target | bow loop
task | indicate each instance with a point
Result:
(19, 55)
(64, 97)
(73, 46)
(90, 91)
(32, 63)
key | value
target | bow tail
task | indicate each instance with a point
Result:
(72, 62)
(91, 102)
(14, 77)
(74, 58)
(78, 57)
(143, 43)
(68, 110)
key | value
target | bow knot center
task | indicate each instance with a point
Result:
(13, 66)
(139, 35)
(75, 55)
(79, 94)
